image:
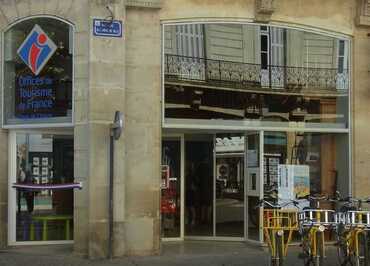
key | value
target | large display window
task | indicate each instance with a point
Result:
(254, 102)
(226, 174)
(318, 163)
(38, 72)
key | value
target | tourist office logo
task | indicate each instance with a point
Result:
(35, 94)
(36, 49)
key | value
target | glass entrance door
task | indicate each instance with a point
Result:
(199, 195)
(229, 190)
(221, 186)
(215, 169)
(41, 215)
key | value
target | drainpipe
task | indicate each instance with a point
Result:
(115, 134)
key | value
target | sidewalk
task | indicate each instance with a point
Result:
(182, 253)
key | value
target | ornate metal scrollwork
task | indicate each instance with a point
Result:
(249, 76)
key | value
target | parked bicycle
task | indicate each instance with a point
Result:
(313, 222)
(278, 227)
(352, 233)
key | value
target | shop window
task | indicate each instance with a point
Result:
(38, 72)
(316, 163)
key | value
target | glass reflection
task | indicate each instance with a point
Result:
(247, 72)
(230, 152)
(170, 188)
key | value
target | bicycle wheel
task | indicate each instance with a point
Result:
(306, 250)
(273, 260)
(342, 246)
(279, 250)
(362, 259)
(343, 252)
(319, 259)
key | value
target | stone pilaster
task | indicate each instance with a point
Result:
(3, 188)
(143, 131)
(361, 113)
(106, 94)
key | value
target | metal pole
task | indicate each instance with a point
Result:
(111, 173)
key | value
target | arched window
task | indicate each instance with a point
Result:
(38, 72)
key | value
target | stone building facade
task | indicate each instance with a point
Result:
(125, 74)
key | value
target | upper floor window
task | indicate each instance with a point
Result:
(189, 40)
(38, 72)
(342, 56)
(264, 47)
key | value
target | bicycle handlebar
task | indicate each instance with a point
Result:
(354, 200)
(262, 203)
(318, 197)
(348, 199)
(315, 198)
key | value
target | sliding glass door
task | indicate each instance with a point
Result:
(199, 185)
(230, 190)
(222, 185)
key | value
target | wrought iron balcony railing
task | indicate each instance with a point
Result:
(246, 75)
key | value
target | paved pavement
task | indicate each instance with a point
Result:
(185, 253)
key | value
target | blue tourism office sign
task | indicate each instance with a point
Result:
(107, 28)
(35, 94)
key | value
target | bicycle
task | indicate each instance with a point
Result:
(352, 233)
(277, 221)
(313, 222)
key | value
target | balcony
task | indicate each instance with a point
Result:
(253, 78)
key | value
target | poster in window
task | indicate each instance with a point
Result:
(44, 171)
(36, 170)
(45, 161)
(301, 181)
(36, 161)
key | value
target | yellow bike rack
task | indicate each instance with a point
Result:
(274, 220)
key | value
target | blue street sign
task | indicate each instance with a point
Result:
(107, 28)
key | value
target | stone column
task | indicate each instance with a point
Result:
(101, 79)
(81, 147)
(361, 113)
(106, 95)
(143, 128)
(3, 155)
(3, 169)
(3, 188)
